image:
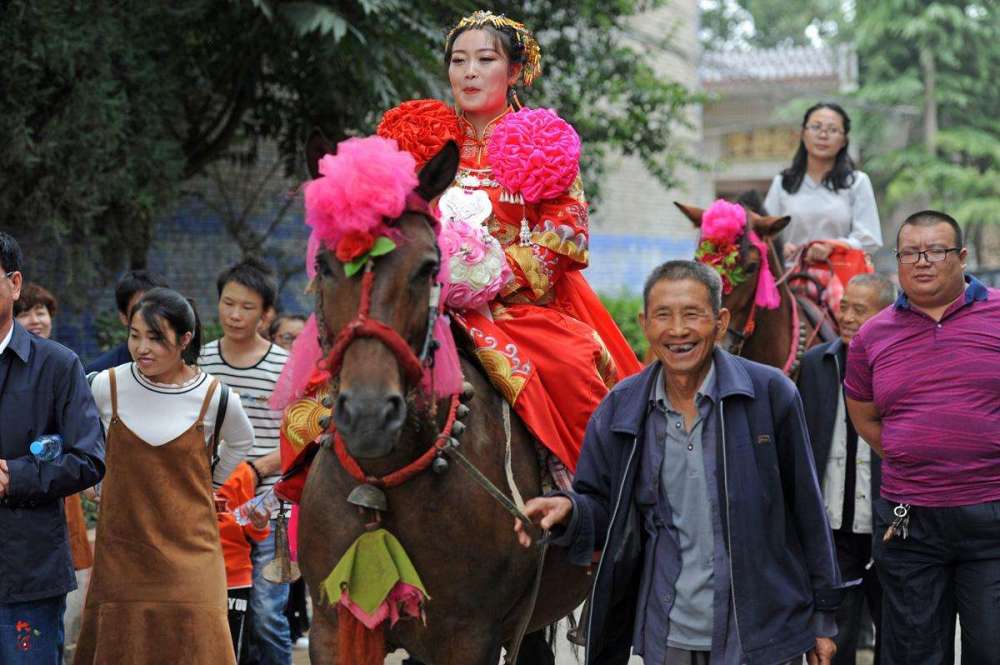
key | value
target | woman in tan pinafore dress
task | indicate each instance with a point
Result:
(158, 591)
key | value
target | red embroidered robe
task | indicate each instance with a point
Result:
(551, 348)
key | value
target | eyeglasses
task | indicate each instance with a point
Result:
(932, 255)
(10, 274)
(828, 129)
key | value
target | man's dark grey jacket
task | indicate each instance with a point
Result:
(42, 391)
(784, 567)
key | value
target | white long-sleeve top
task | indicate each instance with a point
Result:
(159, 413)
(818, 213)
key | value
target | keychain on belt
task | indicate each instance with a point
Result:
(900, 525)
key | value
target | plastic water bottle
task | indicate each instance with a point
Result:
(46, 448)
(265, 504)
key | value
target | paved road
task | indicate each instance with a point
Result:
(564, 656)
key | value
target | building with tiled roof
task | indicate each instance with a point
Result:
(782, 66)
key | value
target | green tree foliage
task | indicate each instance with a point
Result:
(86, 158)
(107, 109)
(624, 309)
(929, 84)
(770, 23)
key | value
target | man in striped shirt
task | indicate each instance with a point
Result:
(250, 366)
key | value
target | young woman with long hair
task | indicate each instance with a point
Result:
(827, 197)
(159, 583)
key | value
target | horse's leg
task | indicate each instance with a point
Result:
(323, 640)
(535, 650)
(466, 644)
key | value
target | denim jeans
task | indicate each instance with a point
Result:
(271, 638)
(949, 564)
(31, 633)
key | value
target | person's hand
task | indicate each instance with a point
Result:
(818, 251)
(544, 511)
(4, 477)
(822, 653)
(789, 250)
(260, 518)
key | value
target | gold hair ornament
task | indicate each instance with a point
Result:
(532, 66)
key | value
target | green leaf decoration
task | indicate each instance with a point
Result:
(381, 247)
(351, 268)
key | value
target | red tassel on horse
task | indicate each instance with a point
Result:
(355, 643)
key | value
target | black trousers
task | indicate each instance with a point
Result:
(854, 551)
(239, 605)
(949, 564)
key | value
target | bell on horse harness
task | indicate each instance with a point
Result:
(281, 570)
(368, 496)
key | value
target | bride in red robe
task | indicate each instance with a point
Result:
(546, 341)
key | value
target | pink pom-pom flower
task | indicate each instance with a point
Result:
(366, 182)
(723, 222)
(476, 263)
(536, 153)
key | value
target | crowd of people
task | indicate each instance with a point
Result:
(169, 550)
(744, 517)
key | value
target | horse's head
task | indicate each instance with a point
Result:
(740, 297)
(374, 379)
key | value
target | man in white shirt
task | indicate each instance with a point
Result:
(848, 470)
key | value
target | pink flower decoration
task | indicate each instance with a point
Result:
(477, 266)
(723, 222)
(536, 153)
(366, 182)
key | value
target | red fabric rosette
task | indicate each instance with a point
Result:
(536, 153)
(421, 127)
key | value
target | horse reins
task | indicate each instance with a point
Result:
(413, 367)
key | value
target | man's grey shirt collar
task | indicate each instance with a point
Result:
(708, 388)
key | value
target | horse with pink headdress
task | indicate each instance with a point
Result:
(415, 461)
(770, 322)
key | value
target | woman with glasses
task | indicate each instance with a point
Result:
(829, 200)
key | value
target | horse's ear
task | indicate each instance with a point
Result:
(317, 146)
(438, 174)
(768, 226)
(691, 212)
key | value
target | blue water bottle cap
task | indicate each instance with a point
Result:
(37, 447)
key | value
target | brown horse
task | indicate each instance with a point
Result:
(777, 337)
(459, 538)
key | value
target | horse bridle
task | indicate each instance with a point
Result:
(413, 365)
(740, 337)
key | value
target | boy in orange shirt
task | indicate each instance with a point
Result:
(235, 537)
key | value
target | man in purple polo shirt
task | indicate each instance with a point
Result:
(923, 388)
